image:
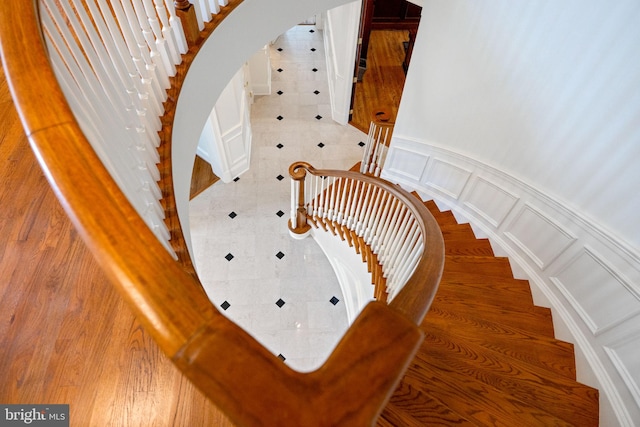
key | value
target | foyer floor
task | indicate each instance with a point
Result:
(282, 291)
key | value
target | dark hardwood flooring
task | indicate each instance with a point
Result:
(382, 84)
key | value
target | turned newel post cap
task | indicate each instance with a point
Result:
(181, 4)
(381, 116)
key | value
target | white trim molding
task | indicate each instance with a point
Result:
(586, 275)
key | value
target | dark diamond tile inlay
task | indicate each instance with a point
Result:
(279, 92)
(279, 177)
(233, 215)
(314, 70)
(318, 117)
(279, 70)
(279, 117)
(279, 145)
(280, 303)
(280, 255)
(313, 49)
(280, 213)
(229, 256)
(312, 31)
(225, 305)
(334, 300)
(316, 92)
(321, 145)
(279, 49)
(281, 357)
(361, 144)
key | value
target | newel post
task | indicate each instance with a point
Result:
(298, 225)
(187, 14)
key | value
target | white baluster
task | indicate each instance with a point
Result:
(357, 220)
(152, 92)
(199, 16)
(161, 44)
(380, 215)
(353, 202)
(369, 200)
(344, 211)
(315, 196)
(205, 6)
(214, 6)
(167, 34)
(140, 50)
(364, 165)
(176, 27)
(94, 95)
(376, 213)
(159, 61)
(401, 245)
(321, 209)
(295, 186)
(133, 82)
(390, 230)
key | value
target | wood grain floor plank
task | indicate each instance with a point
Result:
(66, 335)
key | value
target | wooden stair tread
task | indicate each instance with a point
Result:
(410, 407)
(488, 266)
(468, 247)
(541, 351)
(507, 287)
(527, 321)
(480, 403)
(457, 232)
(485, 295)
(510, 382)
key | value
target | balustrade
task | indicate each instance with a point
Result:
(389, 221)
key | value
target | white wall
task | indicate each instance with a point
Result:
(524, 117)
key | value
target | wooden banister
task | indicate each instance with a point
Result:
(416, 295)
(250, 384)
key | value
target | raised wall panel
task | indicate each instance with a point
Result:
(624, 356)
(490, 201)
(447, 178)
(406, 163)
(542, 239)
(598, 293)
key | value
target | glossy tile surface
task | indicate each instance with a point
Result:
(282, 291)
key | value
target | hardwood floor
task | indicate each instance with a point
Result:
(66, 336)
(383, 82)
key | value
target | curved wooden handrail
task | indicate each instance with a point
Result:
(414, 299)
(248, 383)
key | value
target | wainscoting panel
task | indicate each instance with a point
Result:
(407, 163)
(538, 236)
(490, 201)
(447, 178)
(586, 275)
(624, 356)
(598, 293)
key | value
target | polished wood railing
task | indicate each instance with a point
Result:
(251, 385)
(402, 238)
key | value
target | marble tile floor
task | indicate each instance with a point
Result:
(280, 290)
